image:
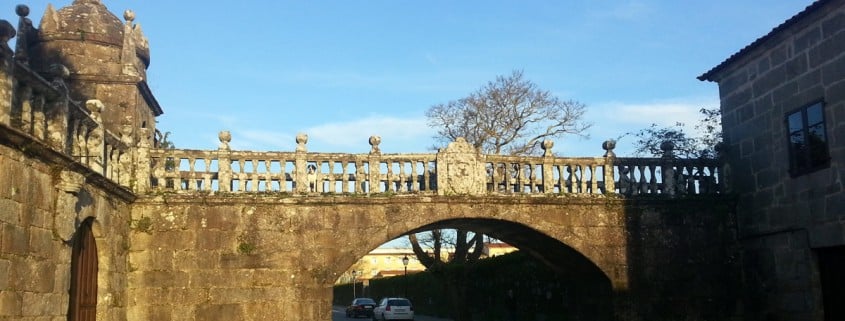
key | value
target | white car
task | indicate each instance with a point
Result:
(394, 309)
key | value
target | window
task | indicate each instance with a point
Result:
(808, 149)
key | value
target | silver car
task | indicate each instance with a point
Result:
(394, 309)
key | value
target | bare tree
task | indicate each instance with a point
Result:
(509, 115)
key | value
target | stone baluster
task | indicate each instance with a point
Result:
(390, 178)
(300, 167)
(667, 168)
(250, 177)
(206, 175)
(7, 70)
(96, 137)
(361, 184)
(375, 165)
(268, 176)
(609, 159)
(415, 182)
(224, 163)
(344, 180)
(39, 120)
(57, 113)
(548, 167)
(22, 110)
(77, 139)
(142, 171)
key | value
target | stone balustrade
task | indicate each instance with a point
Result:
(40, 107)
(456, 169)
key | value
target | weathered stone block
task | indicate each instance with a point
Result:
(10, 211)
(41, 243)
(834, 71)
(10, 303)
(221, 312)
(807, 39)
(769, 81)
(827, 49)
(833, 24)
(15, 239)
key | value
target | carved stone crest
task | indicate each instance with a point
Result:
(459, 170)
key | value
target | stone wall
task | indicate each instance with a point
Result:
(42, 201)
(782, 218)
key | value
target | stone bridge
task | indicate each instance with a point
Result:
(249, 234)
(99, 222)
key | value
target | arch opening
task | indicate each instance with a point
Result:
(545, 269)
(83, 276)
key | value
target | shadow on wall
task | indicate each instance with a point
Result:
(683, 262)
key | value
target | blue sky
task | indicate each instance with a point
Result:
(341, 71)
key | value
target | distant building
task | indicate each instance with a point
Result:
(387, 262)
(498, 248)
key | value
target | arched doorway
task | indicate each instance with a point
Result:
(83, 275)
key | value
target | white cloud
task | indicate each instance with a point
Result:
(662, 112)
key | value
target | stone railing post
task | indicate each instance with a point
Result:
(142, 168)
(224, 162)
(57, 112)
(548, 164)
(25, 31)
(609, 171)
(300, 166)
(668, 168)
(95, 141)
(375, 165)
(7, 70)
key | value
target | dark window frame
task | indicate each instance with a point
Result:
(803, 124)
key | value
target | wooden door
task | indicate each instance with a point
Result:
(83, 277)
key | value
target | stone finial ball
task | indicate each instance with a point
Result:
(129, 15)
(301, 138)
(224, 136)
(547, 144)
(608, 144)
(375, 140)
(22, 10)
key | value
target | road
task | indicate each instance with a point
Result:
(339, 314)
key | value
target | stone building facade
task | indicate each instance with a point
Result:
(783, 116)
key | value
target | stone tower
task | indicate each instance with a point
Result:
(107, 60)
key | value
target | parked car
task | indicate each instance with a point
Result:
(360, 307)
(394, 309)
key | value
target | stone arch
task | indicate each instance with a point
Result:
(590, 229)
(594, 286)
